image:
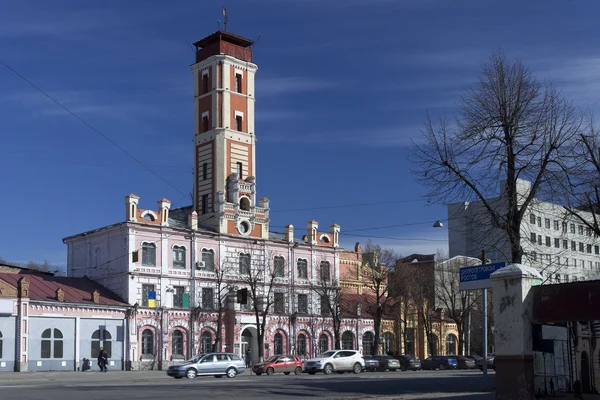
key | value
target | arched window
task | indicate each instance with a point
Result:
(245, 204)
(206, 342)
(149, 254)
(302, 268)
(388, 343)
(178, 257)
(279, 266)
(278, 343)
(52, 344)
(450, 345)
(245, 263)
(0, 344)
(301, 345)
(325, 271)
(147, 343)
(347, 340)
(208, 257)
(101, 338)
(323, 343)
(177, 344)
(368, 341)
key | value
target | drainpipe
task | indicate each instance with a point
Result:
(192, 336)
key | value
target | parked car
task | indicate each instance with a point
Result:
(439, 362)
(371, 363)
(490, 362)
(464, 362)
(387, 363)
(279, 363)
(217, 364)
(335, 360)
(408, 362)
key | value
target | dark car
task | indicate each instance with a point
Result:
(387, 363)
(491, 364)
(408, 362)
(439, 362)
(463, 362)
(371, 363)
(279, 363)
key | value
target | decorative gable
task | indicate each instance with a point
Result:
(7, 290)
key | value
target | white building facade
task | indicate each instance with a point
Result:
(554, 242)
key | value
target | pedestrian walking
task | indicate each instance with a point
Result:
(248, 358)
(102, 360)
(577, 389)
(551, 386)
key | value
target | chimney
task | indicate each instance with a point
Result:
(193, 220)
(60, 294)
(335, 233)
(311, 228)
(96, 296)
(24, 287)
(164, 206)
(131, 202)
(289, 233)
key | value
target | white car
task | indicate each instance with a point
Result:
(336, 360)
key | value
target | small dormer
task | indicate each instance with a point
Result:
(164, 206)
(60, 294)
(311, 234)
(131, 203)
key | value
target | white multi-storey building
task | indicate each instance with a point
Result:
(556, 243)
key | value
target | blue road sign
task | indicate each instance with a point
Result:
(478, 276)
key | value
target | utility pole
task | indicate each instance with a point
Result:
(485, 320)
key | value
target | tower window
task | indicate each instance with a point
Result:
(204, 171)
(238, 83)
(238, 123)
(204, 204)
(205, 127)
(238, 167)
(205, 83)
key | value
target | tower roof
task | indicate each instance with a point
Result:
(225, 36)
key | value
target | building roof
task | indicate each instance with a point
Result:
(226, 36)
(15, 269)
(76, 290)
(349, 305)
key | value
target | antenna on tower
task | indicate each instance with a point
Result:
(258, 38)
(225, 18)
(218, 24)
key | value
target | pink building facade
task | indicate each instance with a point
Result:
(175, 266)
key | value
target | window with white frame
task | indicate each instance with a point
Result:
(208, 258)
(556, 225)
(178, 257)
(547, 223)
(149, 254)
(532, 219)
(324, 270)
(245, 264)
(302, 268)
(279, 303)
(302, 303)
(279, 266)
(208, 298)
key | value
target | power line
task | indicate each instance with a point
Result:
(89, 126)
(348, 205)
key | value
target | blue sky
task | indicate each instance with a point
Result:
(342, 88)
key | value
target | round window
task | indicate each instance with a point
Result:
(244, 227)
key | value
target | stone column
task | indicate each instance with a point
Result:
(513, 301)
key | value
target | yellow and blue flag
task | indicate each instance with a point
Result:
(152, 299)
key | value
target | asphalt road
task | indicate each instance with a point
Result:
(450, 385)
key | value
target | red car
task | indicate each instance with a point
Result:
(279, 363)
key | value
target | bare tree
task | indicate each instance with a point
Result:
(508, 127)
(217, 300)
(458, 303)
(258, 272)
(378, 262)
(329, 293)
